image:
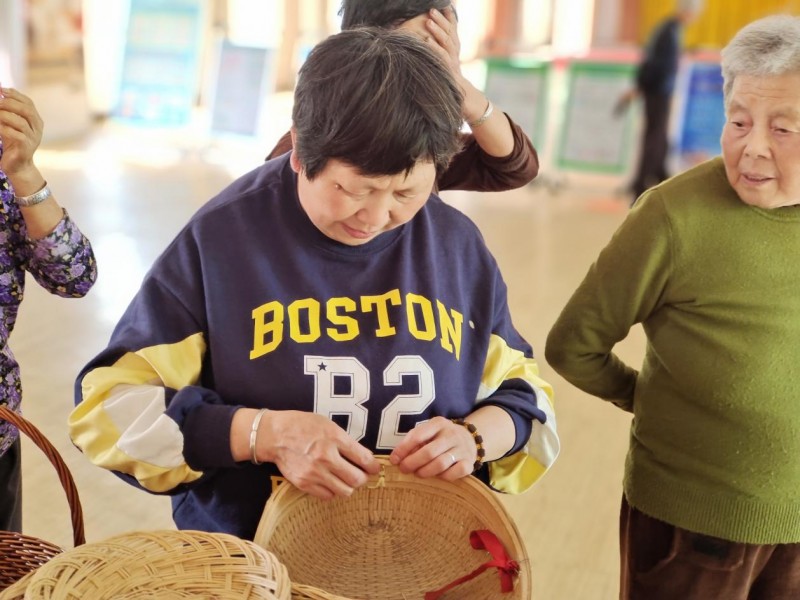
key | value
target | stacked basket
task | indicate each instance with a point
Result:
(167, 565)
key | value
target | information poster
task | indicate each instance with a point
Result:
(593, 137)
(702, 114)
(160, 71)
(243, 80)
(520, 88)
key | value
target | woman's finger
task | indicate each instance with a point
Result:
(22, 107)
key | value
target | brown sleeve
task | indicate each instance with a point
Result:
(472, 169)
(282, 147)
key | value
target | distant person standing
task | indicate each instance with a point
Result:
(655, 82)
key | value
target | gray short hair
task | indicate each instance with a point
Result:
(768, 46)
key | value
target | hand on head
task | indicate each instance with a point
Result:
(443, 29)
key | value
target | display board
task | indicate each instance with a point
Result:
(519, 87)
(592, 137)
(160, 71)
(702, 110)
(243, 78)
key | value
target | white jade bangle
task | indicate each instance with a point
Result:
(34, 199)
(487, 113)
(254, 436)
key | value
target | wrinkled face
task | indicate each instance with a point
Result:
(761, 140)
(354, 209)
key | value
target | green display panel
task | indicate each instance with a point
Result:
(592, 137)
(519, 87)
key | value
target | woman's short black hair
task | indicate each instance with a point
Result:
(385, 13)
(377, 99)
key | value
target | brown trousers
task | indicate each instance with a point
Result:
(661, 562)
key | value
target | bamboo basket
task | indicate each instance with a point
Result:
(20, 554)
(158, 565)
(399, 537)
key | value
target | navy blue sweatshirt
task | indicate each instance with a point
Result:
(252, 306)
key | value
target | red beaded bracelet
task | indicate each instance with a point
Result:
(478, 442)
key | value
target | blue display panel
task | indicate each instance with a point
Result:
(160, 71)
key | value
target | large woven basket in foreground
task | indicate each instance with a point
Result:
(397, 538)
(158, 565)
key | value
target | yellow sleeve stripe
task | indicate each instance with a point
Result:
(516, 473)
(504, 362)
(121, 423)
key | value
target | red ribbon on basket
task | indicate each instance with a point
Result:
(483, 539)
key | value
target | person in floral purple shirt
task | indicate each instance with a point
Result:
(37, 236)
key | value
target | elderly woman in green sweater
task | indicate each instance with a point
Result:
(709, 263)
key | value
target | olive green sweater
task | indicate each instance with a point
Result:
(715, 438)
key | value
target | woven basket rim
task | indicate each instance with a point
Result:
(63, 472)
(281, 520)
(163, 564)
(22, 553)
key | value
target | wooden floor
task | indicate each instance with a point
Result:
(130, 190)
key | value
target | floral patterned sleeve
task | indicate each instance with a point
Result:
(62, 262)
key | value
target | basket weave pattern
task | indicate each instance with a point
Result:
(20, 554)
(397, 538)
(159, 564)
